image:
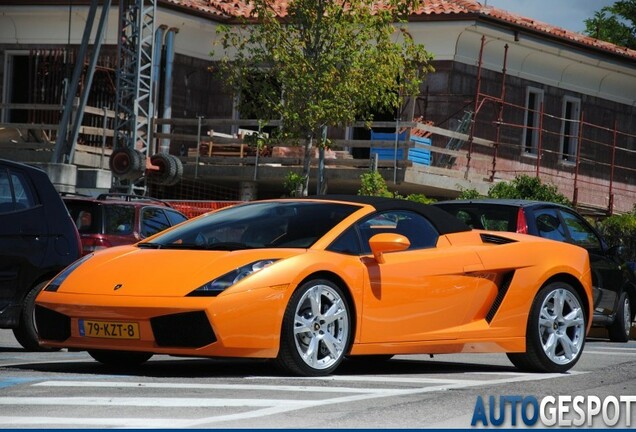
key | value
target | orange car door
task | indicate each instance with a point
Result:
(419, 294)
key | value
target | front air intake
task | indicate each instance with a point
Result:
(52, 325)
(183, 330)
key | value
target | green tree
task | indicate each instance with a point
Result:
(615, 24)
(324, 62)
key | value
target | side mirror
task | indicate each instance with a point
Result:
(387, 242)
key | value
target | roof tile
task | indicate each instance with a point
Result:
(243, 8)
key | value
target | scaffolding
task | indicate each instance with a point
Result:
(591, 146)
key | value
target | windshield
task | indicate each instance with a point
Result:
(257, 225)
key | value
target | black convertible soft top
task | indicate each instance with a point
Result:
(442, 221)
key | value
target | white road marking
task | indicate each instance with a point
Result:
(528, 374)
(48, 362)
(516, 377)
(255, 387)
(614, 348)
(152, 402)
(624, 354)
(87, 421)
(381, 379)
(262, 407)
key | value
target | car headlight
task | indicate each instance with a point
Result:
(61, 277)
(220, 284)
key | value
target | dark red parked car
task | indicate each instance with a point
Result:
(116, 219)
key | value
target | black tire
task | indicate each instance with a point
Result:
(127, 163)
(26, 333)
(554, 338)
(120, 358)
(319, 347)
(179, 174)
(620, 329)
(169, 167)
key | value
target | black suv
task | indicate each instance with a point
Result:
(37, 240)
(119, 219)
(614, 283)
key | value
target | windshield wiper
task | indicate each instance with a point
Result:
(229, 246)
(221, 246)
(149, 245)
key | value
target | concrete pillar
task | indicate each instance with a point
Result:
(63, 176)
(248, 190)
(92, 181)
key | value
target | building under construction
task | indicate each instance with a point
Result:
(509, 96)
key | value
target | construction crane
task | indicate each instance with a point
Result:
(132, 141)
(135, 107)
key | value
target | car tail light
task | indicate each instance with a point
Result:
(522, 224)
(92, 243)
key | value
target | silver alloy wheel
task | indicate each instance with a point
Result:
(561, 326)
(627, 316)
(321, 327)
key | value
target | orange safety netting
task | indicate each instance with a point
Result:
(196, 208)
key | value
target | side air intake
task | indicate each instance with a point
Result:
(506, 280)
(495, 239)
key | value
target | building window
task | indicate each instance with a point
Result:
(570, 128)
(531, 132)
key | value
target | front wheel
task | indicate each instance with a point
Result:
(316, 329)
(26, 333)
(556, 331)
(620, 329)
(120, 358)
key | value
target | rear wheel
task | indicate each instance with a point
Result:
(316, 329)
(555, 335)
(120, 358)
(620, 329)
(26, 333)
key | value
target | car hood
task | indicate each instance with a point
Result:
(132, 271)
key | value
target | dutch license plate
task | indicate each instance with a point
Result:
(109, 329)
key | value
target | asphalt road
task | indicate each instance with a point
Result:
(70, 390)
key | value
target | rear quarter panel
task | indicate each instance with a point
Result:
(535, 262)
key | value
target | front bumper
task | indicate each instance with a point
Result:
(244, 324)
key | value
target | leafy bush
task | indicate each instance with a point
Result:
(372, 184)
(621, 230)
(469, 194)
(527, 187)
(421, 198)
(293, 183)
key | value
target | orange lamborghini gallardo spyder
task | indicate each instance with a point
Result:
(308, 282)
